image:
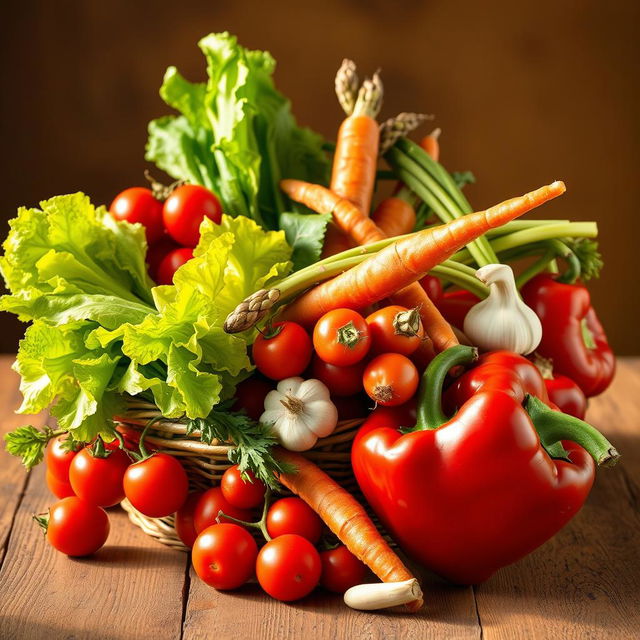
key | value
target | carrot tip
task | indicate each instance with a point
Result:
(558, 187)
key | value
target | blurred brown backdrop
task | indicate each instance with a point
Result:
(525, 92)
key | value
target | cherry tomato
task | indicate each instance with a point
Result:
(99, 479)
(58, 459)
(569, 397)
(282, 351)
(137, 204)
(59, 488)
(171, 263)
(250, 395)
(341, 337)
(395, 329)
(224, 556)
(390, 379)
(157, 253)
(341, 570)
(341, 381)
(288, 567)
(185, 209)
(156, 486)
(293, 515)
(211, 503)
(240, 493)
(77, 527)
(184, 525)
(433, 287)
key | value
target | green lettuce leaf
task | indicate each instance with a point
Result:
(235, 134)
(305, 234)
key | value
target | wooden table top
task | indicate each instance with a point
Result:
(585, 583)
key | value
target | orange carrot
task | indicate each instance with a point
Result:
(346, 518)
(363, 230)
(346, 215)
(356, 155)
(394, 216)
(431, 144)
(335, 241)
(409, 259)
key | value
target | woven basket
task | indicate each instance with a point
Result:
(205, 463)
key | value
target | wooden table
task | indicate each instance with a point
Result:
(585, 583)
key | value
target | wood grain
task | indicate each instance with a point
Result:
(585, 582)
(13, 479)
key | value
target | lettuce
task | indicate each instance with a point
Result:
(235, 134)
(100, 330)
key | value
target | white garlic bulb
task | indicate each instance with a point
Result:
(503, 320)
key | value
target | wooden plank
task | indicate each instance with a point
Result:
(584, 583)
(13, 479)
(449, 612)
(132, 588)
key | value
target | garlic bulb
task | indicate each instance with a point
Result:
(300, 411)
(503, 320)
(380, 595)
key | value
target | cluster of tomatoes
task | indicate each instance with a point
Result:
(98, 476)
(216, 524)
(347, 352)
(172, 225)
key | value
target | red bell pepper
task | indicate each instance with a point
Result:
(562, 391)
(572, 336)
(467, 495)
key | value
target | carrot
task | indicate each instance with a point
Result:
(346, 215)
(335, 241)
(395, 216)
(431, 144)
(409, 259)
(346, 518)
(363, 230)
(356, 155)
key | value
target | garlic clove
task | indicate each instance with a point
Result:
(502, 320)
(382, 595)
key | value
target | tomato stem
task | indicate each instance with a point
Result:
(144, 454)
(260, 524)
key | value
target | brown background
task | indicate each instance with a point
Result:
(525, 92)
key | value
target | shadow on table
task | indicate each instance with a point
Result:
(126, 556)
(14, 628)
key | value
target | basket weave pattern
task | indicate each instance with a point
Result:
(205, 463)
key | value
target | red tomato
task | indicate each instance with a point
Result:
(137, 204)
(224, 556)
(433, 287)
(57, 459)
(395, 329)
(99, 480)
(156, 486)
(341, 570)
(250, 395)
(288, 567)
(569, 397)
(157, 253)
(211, 503)
(184, 525)
(341, 381)
(390, 379)
(77, 527)
(240, 493)
(293, 515)
(341, 337)
(59, 488)
(171, 263)
(282, 351)
(185, 209)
